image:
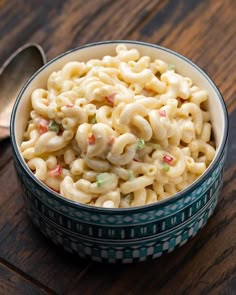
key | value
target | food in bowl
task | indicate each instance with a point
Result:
(117, 132)
(121, 235)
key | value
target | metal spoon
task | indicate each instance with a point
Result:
(16, 70)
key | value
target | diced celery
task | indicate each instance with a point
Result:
(80, 91)
(53, 126)
(104, 178)
(166, 167)
(140, 144)
(155, 146)
(128, 198)
(93, 120)
(131, 175)
(171, 67)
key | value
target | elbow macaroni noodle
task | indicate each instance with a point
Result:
(118, 132)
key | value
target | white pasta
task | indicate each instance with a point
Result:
(118, 132)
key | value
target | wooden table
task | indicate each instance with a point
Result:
(205, 32)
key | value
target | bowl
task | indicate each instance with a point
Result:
(122, 235)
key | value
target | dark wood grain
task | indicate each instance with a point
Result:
(205, 32)
(11, 282)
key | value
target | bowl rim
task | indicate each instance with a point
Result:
(137, 209)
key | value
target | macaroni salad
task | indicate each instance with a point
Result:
(118, 132)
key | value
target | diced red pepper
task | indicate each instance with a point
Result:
(55, 190)
(110, 98)
(136, 160)
(162, 113)
(55, 171)
(168, 159)
(43, 126)
(42, 129)
(111, 140)
(149, 91)
(91, 139)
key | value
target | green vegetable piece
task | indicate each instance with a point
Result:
(103, 179)
(131, 175)
(156, 146)
(166, 167)
(80, 91)
(128, 198)
(93, 120)
(53, 126)
(140, 144)
(75, 88)
(171, 67)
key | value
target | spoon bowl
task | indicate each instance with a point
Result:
(14, 73)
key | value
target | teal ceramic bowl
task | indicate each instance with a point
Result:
(121, 235)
